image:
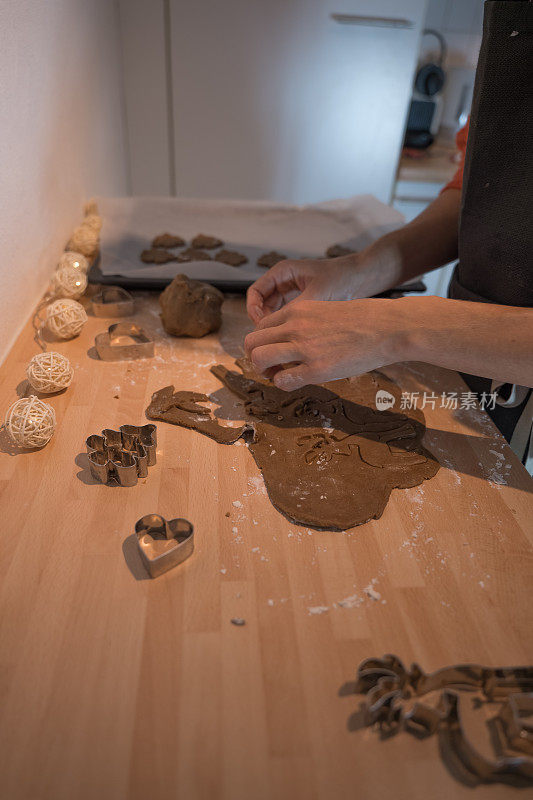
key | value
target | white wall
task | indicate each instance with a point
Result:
(61, 137)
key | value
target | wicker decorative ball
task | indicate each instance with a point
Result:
(93, 221)
(74, 260)
(30, 422)
(68, 282)
(84, 240)
(49, 372)
(65, 318)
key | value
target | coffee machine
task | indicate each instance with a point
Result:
(425, 110)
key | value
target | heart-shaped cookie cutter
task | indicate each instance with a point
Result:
(122, 455)
(112, 301)
(163, 544)
(123, 341)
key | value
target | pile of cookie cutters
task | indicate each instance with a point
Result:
(387, 684)
(122, 457)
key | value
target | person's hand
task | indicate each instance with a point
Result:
(322, 341)
(309, 279)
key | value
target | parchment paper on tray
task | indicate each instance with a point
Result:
(249, 227)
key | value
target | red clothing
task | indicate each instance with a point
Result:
(460, 140)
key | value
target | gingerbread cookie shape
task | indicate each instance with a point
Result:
(192, 254)
(329, 458)
(157, 255)
(337, 250)
(231, 257)
(168, 240)
(268, 260)
(183, 408)
(204, 242)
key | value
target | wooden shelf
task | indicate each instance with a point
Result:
(437, 165)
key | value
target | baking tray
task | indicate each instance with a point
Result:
(236, 286)
(156, 284)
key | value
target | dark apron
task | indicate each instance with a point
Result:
(496, 223)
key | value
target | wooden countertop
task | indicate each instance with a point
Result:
(117, 686)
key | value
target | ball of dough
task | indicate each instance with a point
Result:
(190, 308)
(65, 318)
(49, 372)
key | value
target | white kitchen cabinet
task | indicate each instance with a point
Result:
(146, 85)
(275, 99)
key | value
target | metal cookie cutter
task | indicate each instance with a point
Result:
(518, 730)
(123, 455)
(123, 341)
(112, 301)
(387, 684)
(162, 543)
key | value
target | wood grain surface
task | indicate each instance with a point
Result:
(114, 685)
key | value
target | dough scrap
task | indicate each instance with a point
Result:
(181, 408)
(190, 308)
(336, 250)
(269, 259)
(231, 257)
(157, 255)
(204, 242)
(329, 459)
(167, 240)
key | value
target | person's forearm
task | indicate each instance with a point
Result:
(428, 242)
(483, 339)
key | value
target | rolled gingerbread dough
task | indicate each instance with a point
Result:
(328, 457)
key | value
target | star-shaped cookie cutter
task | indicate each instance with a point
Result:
(123, 341)
(162, 543)
(123, 455)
